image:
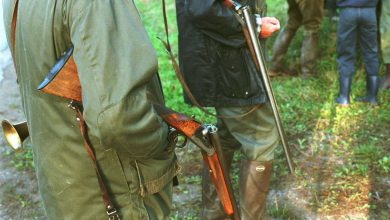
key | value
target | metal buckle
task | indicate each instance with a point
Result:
(112, 213)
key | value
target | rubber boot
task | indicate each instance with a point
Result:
(372, 91)
(309, 54)
(344, 90)
(211, 206)
(385, 81)
(279, 50)
(253, 188)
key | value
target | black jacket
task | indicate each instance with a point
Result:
(213, 56)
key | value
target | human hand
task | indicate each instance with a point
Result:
(269, 25)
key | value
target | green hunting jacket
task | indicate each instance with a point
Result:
(117, 68)
(384, 28)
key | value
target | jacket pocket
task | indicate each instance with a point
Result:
(113, 173)
(132, 126)
(238, 77)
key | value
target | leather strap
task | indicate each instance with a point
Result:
(180, 77)
(13, 27)
(110, 209)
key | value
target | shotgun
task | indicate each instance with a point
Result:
(62, 80)
(206, 138)
(244, 15)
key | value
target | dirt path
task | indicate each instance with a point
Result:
(19, 198)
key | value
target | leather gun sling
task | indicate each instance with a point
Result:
(110, 209)
(13, 27)
(180, 77)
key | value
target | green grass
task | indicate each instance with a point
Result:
(23, 160)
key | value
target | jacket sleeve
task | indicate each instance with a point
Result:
(213, 16)
(117, 68)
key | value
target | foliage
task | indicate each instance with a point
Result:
(23, 160)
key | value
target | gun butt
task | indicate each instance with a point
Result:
(180, 122)
(62, 79)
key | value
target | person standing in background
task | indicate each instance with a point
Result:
(357, 26)
(384, 27)
(306, 13)
(218, 69)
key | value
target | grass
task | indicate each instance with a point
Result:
(22, 161)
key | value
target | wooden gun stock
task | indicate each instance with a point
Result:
(219, 182)
(206, 139)
(62, 79)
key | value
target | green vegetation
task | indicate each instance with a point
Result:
(22, 161)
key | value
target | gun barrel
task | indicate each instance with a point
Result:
(259, 60)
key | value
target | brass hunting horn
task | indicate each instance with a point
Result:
(15, 134)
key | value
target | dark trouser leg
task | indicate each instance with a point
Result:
(346, 49)
(254, 184)
(369, 49)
